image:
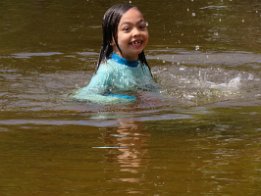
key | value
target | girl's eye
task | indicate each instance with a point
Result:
(143, 25)
(126, 29)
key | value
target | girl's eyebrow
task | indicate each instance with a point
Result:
(130, 23)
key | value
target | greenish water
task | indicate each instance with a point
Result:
(202, 137)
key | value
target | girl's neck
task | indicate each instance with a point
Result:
(121, 60)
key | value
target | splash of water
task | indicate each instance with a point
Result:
(202, 85)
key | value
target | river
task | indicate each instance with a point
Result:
(202, 138)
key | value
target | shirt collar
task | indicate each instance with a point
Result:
(117, 58)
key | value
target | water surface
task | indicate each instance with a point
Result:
(201, 136)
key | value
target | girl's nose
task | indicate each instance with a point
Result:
(136, 31)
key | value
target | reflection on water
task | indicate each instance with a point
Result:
(200, 136)
(130, 149)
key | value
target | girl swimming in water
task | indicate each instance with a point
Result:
(122, 67)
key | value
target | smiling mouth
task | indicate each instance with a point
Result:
(136, 43)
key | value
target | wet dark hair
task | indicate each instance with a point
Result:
(110, 24)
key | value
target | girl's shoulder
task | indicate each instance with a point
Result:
(115, 66)
(105, 67)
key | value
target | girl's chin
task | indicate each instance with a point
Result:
(137, 48)
(137, 51)
(133, 54)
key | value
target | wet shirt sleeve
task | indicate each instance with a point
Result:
(98, 90)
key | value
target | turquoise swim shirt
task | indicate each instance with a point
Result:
(114, 81)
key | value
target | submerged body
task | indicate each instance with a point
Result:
(115, 80)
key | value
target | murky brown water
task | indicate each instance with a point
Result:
(202, 137)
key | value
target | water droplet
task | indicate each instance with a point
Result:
(220, 19)
(197, 47)
(243, 20)
(193, 14)
(130, 2)
(187, 9)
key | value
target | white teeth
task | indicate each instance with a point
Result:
(136, 42)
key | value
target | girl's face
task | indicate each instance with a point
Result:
(132, 34)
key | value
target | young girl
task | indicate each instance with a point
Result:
(122, 67)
